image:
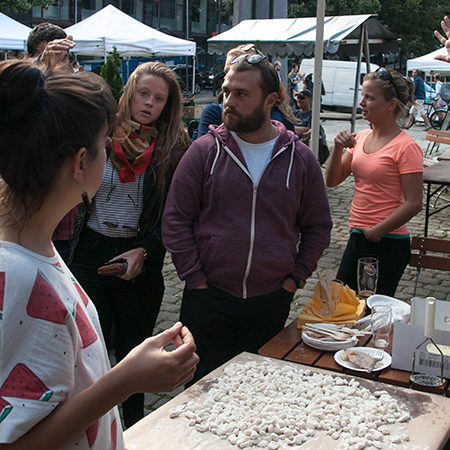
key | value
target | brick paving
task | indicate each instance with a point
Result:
(431, 282)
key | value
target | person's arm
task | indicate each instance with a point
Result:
(339, 165)
(147, 368)
(301, 131)
(412, 191)
(211, 115)
(445, 24)
(183, 207)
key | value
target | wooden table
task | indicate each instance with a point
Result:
(439, 174)
(288, 346)
(429, 427)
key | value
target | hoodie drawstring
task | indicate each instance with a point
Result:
(288, 176)
(217, 156)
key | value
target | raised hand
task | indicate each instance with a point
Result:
(445, 24)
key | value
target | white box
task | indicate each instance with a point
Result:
(406, 338)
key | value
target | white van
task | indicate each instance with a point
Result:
(338, 78)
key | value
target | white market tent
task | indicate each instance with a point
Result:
(110, 27)
(297, 37)
(427, 63)
(13, 34)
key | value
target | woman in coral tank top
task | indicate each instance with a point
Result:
(387, 166)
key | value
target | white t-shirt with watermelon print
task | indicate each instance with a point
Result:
(51, 347)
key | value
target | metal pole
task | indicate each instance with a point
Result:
(76, 11)
(318, 58)
(358, 73)
(187, 19)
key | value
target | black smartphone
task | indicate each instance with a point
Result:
(115, 261)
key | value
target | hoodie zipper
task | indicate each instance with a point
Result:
(253, 216)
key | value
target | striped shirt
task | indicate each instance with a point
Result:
(117, 206)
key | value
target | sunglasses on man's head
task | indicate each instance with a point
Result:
(385, 75)
(251, 59)
(300, 97)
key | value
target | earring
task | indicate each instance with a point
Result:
(86, 201)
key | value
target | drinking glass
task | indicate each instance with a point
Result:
(367, 277)
(381, 323)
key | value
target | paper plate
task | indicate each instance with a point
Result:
(327, 345)
(399, 309)
(385, 362)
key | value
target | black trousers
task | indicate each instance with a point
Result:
(224, 326)
(393, 256)
(127, 308)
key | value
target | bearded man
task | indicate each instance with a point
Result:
(246, 220)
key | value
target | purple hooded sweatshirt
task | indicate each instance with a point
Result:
(243, 238)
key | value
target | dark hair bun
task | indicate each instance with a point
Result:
(20, 86)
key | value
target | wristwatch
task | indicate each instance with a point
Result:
(298, 282)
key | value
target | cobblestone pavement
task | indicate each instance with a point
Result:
(431, 283)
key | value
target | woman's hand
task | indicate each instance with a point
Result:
(371, 234)
(150, 368)
(345, 139)
(135, 259)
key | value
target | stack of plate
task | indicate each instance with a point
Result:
(328, 344)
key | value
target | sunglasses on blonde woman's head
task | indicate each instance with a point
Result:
(385, 75)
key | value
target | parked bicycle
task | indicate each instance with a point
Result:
(436, 114)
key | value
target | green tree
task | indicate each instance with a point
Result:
(111, 73)
(413, 21)
(22, 6)
(305, 8)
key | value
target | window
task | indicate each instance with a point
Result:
(151, 13)
(58, 11)
(198, 18)
(87, 8)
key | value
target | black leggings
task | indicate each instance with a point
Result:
(393, 256)
(130, 308)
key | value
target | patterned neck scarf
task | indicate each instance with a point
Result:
(132, 153)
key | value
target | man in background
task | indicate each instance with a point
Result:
(49, 44)
(419, 99)
(303, 114)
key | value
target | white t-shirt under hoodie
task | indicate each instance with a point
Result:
(51, 347)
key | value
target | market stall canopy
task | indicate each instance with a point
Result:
(110, 27)
(13, 34)
(427, 62)
(297, 37)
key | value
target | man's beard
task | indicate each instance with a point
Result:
(244, 124)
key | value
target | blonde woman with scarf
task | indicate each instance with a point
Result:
(122, 223)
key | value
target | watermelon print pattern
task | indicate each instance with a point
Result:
(44, 303)
(114, 434)
(80, 291)
(22, 382)
(5, 409)
(87, 332)
(58, 267)
(2, 292)
(91, 433)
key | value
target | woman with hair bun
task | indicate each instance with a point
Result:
(387, 166)
(124, 219)
(56, 386)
